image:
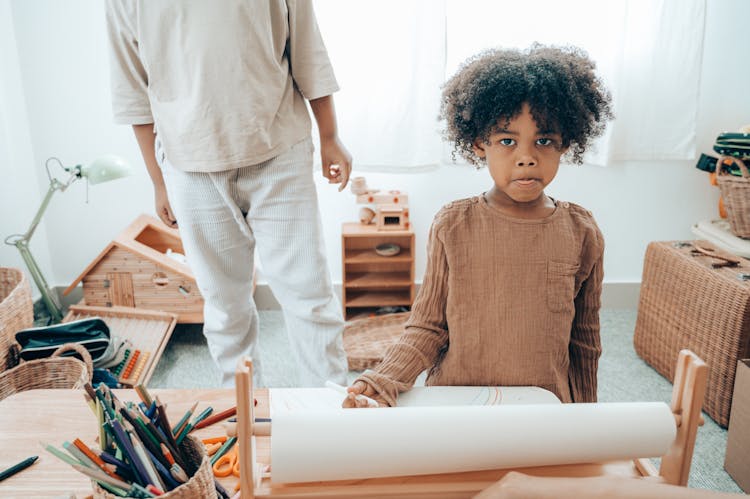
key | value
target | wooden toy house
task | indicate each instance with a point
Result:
(134, 270)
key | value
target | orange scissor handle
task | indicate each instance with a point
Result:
(226, 464)
(236, 467)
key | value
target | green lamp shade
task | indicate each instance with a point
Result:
(105, 168)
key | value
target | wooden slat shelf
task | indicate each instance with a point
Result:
(369, 256)
(378, 298)
(371, 280)
(378, 280)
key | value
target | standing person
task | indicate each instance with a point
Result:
(215, 92)
(512, 289)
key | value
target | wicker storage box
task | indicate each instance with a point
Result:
(686, 302)
(16, 311)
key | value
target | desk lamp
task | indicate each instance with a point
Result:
(102, 169)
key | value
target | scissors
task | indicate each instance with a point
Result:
(228, 464)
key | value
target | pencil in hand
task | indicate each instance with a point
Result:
(360, 397)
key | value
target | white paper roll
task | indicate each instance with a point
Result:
(368, 443)
(306, 399)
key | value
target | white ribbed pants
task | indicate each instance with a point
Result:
(221, 218)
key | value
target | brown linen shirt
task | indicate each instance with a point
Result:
(505, 301)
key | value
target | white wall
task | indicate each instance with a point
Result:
(63, 61)
(21, 187)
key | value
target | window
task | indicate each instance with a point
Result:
(392, 56)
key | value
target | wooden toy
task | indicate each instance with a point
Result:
(392, 217)
(390, 208)
(685, 407)
(148, 331)
(134, 270)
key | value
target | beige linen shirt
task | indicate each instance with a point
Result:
(223, 82)
(504, 301)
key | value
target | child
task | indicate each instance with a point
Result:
(215, 92)
(512, 288)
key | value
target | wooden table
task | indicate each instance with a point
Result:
(54, 416)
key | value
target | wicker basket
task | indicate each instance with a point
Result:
(200, 484)
(735, 191)
(16, 311)
(53, 372)
(687, 303)
(366, 340)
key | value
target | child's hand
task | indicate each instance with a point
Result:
(355, 398)
(336, 161)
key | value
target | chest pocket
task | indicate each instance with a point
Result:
(561, 283)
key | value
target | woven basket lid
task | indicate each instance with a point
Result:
(366, 340)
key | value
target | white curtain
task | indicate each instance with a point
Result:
(657, 81)
(392, 56)
(389, 59)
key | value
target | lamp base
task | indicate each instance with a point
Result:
(43, 316)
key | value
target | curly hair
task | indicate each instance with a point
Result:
(559, 84)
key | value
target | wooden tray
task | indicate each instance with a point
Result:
(148, 330)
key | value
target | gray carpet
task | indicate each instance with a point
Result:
(623, 377)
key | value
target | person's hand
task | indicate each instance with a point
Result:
(163, 209)
(336, 161)
(354, 398)
(515, 485)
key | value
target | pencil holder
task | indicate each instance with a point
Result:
(198, 468)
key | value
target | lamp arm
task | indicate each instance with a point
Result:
(54, 185)
(21, 241)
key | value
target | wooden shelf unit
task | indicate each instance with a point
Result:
(371, 280)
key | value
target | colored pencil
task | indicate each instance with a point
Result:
(184, 420)
(60, 454)
(216, 418)
(76, 453)
(144, 395)
(203, 415)
(163, 471)
(18, 467)
(95, 458)
(100, 476)
(126, 447)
